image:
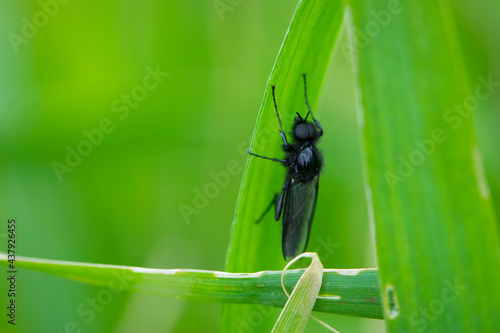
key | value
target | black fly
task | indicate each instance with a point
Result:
(299, 193)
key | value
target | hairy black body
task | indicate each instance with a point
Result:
(299, 193)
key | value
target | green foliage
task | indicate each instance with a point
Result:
(307, 49)
(348, 292)
(436, 236)
(122, 203)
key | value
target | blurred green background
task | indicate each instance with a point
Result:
(121, 203)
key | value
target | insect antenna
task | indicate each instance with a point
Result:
(309, 107)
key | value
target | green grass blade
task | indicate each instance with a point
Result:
(436, 236)
(307, 48)
(348, 292)
(297, 310)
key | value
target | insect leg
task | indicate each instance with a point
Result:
(283, 135)
(309, 107)
(273, 202)
(279, 202)
(267, 158)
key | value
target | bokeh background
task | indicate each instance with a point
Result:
(121, 203)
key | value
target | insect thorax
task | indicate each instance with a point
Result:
(306, 163)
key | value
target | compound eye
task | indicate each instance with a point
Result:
(302, 132)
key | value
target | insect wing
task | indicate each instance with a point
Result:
(298, 213)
